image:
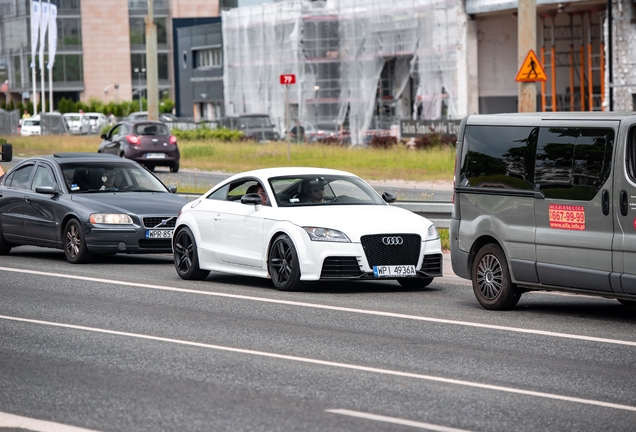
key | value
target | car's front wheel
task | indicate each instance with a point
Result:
(415, 282)
(75, 248)
(186, 256)
(283, 264)
(491, 279)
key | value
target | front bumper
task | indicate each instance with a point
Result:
(129, 239)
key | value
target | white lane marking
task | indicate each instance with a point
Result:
(333, 308)
(13, 421)
(333, 364)
(395, 420)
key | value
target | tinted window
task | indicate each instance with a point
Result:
(573, 163)
(43, 177)
(151, 129)
(500, 157)
(21, 177)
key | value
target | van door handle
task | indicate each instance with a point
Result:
(623, 199)
(27, 199)
(605, 202)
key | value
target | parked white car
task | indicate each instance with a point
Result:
(31, 126)
(304, 224)
(78, 123)
(97, 121)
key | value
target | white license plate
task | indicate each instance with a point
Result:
(394, 271)
(155, 156)
(158, 234)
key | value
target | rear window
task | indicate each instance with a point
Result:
(151, 129)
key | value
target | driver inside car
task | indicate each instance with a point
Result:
(315, 191)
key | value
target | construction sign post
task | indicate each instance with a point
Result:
(286, 80)
(531, 70)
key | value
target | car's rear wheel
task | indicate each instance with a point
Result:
(186, 257)
(175, 167)
(75, 248)
(283, 264)
(415, 282)
(491, 279)
(630, 303)
(150, 167)
(5, 246)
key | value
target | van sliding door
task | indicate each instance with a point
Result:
(573, 207)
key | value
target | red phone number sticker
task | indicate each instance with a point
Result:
(567, 217)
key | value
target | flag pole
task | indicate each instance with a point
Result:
(50, 65)
(42, 34)
(34, 43)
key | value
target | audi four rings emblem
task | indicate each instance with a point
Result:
(392, 241)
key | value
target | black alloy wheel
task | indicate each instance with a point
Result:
(186, 257)
(283, 264)
(75, 249)
(491, 279)
(415, 282)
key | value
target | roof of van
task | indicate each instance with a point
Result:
(535, 118)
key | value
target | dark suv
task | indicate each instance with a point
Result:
(257, 126)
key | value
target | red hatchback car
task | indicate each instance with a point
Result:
(147, 142)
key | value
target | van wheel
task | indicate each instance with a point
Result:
(491, 280)
(415, 282)
(630, 303)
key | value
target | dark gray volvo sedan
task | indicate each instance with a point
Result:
(86, 204)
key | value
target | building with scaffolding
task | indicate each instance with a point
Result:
(366, 64)
(360, 64)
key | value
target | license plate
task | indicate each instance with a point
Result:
(158, 234)
(394, 271)
(155, 156)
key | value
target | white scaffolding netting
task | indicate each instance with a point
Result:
(359, 64)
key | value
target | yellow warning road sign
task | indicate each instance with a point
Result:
(531, 70)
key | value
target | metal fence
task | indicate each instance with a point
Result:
(53, 124)
(9, 122)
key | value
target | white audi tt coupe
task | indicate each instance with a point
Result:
(304, 224)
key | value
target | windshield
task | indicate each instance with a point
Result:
(31, 122)
(295, 191)
(151, 129)
(110, 177)
(255, 122)
(72, 117)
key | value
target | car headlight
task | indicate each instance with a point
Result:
(327, 235)
(110, 218)
(432, 232)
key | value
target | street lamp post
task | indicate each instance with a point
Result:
(139, 72)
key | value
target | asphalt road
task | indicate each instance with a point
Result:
(123, 344)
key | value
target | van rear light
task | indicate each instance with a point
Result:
(173, 139)
(133, 139)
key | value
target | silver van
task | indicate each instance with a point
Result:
(546, 201)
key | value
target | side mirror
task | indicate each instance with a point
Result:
(251, 198)
(388, 197)
(103, 136)
(7, 152)
(172, 188)
(48, 190)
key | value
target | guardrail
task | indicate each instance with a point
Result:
(438, 212)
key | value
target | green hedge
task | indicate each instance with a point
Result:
(204, 133)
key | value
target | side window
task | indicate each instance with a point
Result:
(43, 177)
(573, 163)
(21, 176)
(221, 194)
(238, 189)
(116, 131)
(631, 153)
(500, 157)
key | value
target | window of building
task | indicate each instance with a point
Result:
(500, 157)
(162, 66)
(67, 68)
(573, 163)
(69, 32)
(208, 57)
(138, 30)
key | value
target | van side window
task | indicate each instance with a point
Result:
(573, 163)
(631, 153)
(500, 157)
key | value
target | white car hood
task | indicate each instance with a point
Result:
(358, 220)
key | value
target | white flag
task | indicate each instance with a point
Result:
(52, 35)
(35, 27)
(44, 22)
